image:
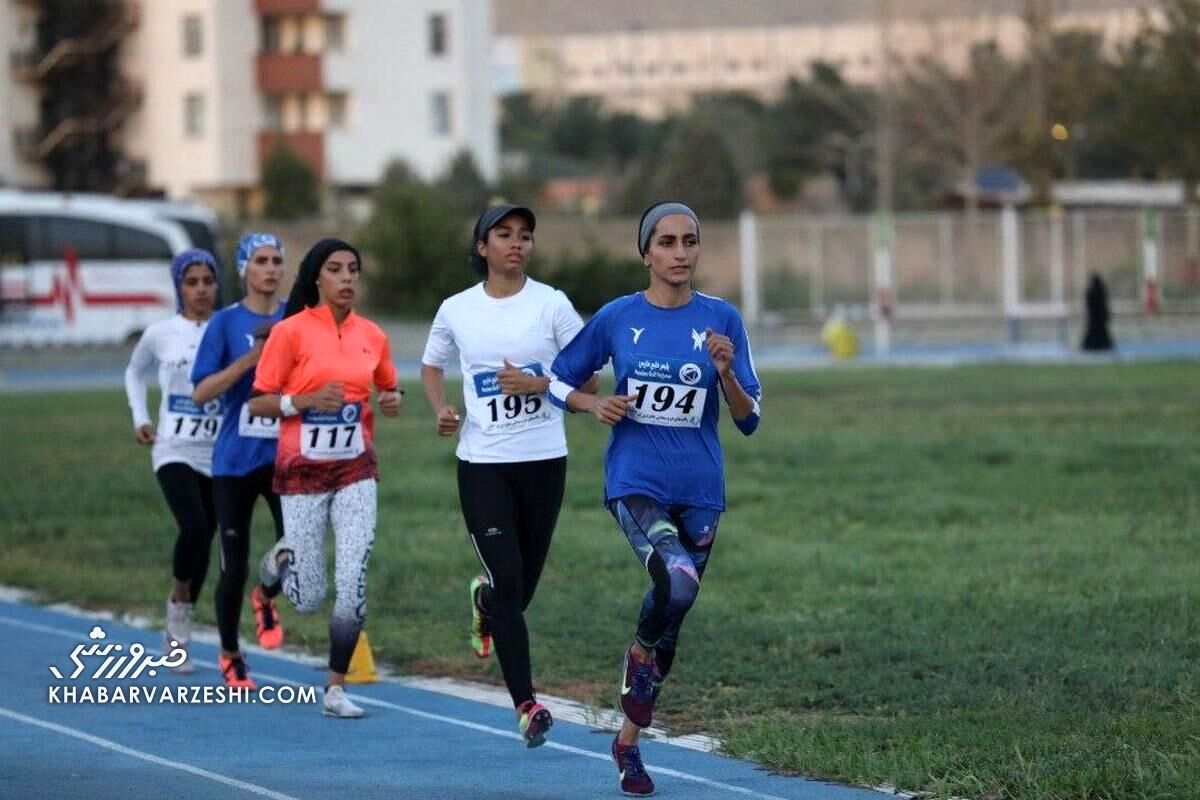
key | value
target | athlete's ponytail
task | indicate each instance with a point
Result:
(304, 292)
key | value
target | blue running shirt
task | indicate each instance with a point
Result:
(244, 443)
(667, 447)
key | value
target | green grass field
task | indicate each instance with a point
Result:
(978, 582)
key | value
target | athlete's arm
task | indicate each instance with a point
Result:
(609, 409)
(329, 399)
(434, 381)
(135, 388)
(219, 382)
(731, 372)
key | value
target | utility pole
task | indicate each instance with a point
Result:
(884, 232)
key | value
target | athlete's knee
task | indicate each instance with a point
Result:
(684, 587)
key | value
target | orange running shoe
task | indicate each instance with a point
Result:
(266, 620)
(237, 674)
(481, 624)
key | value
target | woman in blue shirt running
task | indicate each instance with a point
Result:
(671, 348)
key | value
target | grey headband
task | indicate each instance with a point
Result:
(654, 215)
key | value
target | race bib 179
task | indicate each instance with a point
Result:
(185, 421)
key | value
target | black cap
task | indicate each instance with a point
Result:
(488, 220)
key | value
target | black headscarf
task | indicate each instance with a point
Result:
(304, 290)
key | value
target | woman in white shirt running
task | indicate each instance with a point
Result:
(512, 450)
(181, 444)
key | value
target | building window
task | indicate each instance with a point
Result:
(335, 33)
(193, 37)
(303, 109)
(440, 109)
(270, 34)
(273, 112)
(335, 110)
(193, 115)
(438, 45)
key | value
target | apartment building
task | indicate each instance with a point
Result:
(653, 58)
(206, 89)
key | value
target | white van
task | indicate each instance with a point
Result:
(80, 272)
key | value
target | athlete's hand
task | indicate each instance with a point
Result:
(448, 421)
(329, 399)
(514, 381)
(612, 409)
(389, 403)
(144, 434)
(720, 350)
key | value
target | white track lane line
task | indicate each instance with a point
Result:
(260, 791)
(462, 723)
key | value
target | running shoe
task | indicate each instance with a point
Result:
(635, 782)
(535, 720)
(637, 689)
(266, 620)
(178, 632)
(337, 704)
(481, 624)
(268, 567)
(237, 674)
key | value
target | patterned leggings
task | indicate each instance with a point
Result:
(673, 543)
(351, 512)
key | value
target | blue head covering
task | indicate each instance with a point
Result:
(180, 264)
(251, 242)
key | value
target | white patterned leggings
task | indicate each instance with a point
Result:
(350, 511)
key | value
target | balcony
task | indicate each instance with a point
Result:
(30, 66)
(309, 145)
(37, 144)
(288, 72)
(271, 8)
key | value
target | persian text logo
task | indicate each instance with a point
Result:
(115, 665)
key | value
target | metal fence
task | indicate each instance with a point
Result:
(957, 264)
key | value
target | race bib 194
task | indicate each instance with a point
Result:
(332, 436)
(185, 421)
(257, 427)
(669, 391)
(496, 412)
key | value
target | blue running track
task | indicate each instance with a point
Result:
(413, 743)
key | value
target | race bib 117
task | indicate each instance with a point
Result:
(332, 436)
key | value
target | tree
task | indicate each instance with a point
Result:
(464, 185)
(697, 168)
(290, 185)
(1161, 73)
(419, 244)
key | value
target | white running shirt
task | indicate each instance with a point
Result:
(185, 432)
(529, 329)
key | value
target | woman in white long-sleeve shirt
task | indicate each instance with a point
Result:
(181, 443)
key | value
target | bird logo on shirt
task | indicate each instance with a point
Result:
(250, 340)
(637, 334)
(698, 338)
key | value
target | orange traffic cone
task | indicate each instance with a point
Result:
(362, 663)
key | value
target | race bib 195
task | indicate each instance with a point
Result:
(332, 436)
(496, 412)
(257, 427)
(185, 421)
(669, 391)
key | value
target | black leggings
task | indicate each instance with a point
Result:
(190, 498)
(510, 510)
(235, 496)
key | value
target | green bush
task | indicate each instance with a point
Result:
(592, 278)
(418, 243)
(290, 185)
